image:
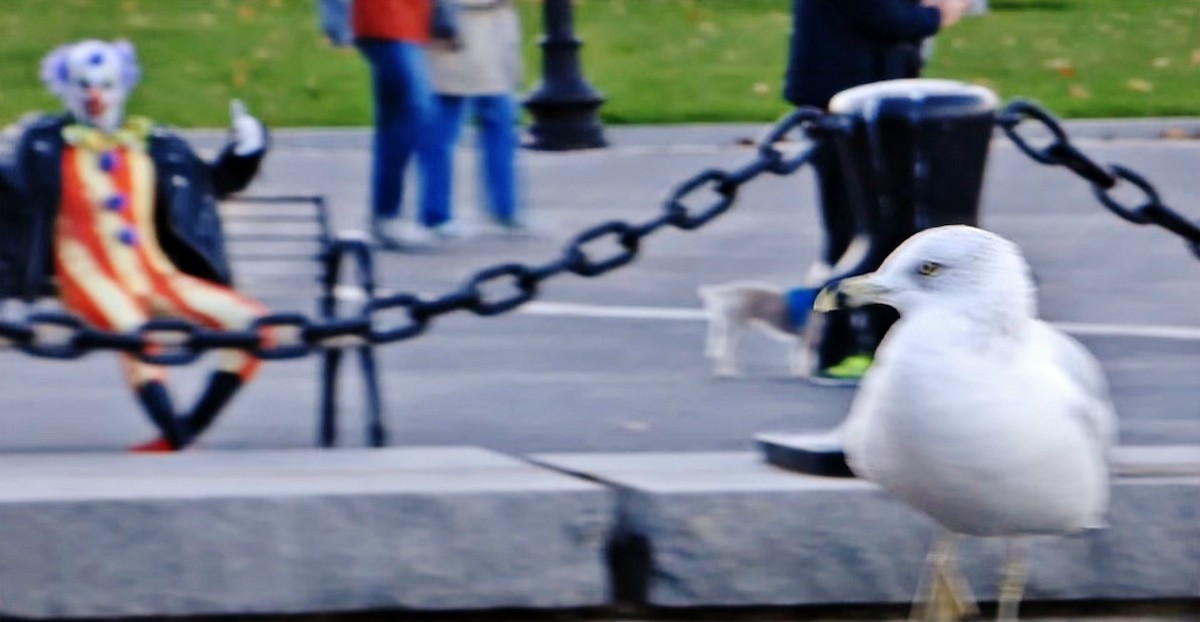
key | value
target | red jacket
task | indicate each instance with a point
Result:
(397, 20)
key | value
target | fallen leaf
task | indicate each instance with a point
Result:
(1078, 91)
(246, 12)
(761, 88)
(1057, 63)
(1066, 72)
(1161, 62)
(240, 70)
(1139, 85)
(1196, 56)
(1175, 133)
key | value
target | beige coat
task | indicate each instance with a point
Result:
(488, 61)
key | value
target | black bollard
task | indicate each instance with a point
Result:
(913, 153)
(564, 106)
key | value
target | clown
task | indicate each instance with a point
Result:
(118, 216)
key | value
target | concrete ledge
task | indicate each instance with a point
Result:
(210, 533)
(820, 453)
(726, 529)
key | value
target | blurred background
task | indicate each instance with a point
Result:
(656, 61)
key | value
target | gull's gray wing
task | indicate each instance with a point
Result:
(1099, 416)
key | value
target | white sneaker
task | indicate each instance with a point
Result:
(455, 229)
(415, 236)
(401, 235)
(520, 227)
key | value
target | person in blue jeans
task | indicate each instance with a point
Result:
(391, 34)
(478, 76)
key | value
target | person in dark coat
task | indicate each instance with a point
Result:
(836, 45)
(117, 218)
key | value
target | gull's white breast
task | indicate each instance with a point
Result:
(986, 433)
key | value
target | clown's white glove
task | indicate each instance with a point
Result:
(249, 135)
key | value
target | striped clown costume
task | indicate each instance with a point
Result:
(107, 258)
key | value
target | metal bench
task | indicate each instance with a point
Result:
(267, 237)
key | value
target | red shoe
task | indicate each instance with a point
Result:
(156, 446)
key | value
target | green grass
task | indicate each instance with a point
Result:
(667, 61)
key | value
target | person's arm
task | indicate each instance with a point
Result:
(239, 161)
(891, 19)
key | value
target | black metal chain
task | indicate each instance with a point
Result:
(492, 291)
(1103, 179)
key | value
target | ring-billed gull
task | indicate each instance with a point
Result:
(987, 419)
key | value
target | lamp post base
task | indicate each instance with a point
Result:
(565, 124)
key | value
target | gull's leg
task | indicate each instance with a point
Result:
(942, 593)
(927, 600)
(921, 604)
(1012, 585)
(958, 601)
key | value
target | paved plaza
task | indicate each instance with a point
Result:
(615, 363)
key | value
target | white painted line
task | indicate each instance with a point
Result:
(567, 309)
(1180, 333)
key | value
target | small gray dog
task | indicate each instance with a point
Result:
(733, 306)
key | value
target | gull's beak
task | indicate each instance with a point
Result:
(850, 293)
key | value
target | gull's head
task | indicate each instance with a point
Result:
(955, 267)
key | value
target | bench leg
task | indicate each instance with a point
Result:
(327, 428)
(377, 435)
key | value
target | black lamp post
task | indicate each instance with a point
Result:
(563, 105)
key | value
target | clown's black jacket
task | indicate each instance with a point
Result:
(838, 44)
(186, 193)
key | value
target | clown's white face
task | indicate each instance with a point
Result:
(94, 91)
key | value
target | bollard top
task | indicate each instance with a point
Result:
(947, 97)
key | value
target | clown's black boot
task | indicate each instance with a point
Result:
(156, 401)
(222, 385)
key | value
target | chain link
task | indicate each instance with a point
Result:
(492, 291)
(1103, 179)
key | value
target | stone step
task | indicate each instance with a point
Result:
(460, 528)
(820, 453)
(210, 533)
(728, 529)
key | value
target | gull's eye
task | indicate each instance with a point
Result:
(929, 268)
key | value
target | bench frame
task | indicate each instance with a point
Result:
(334, 249)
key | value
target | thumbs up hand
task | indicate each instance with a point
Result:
(248, 134)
